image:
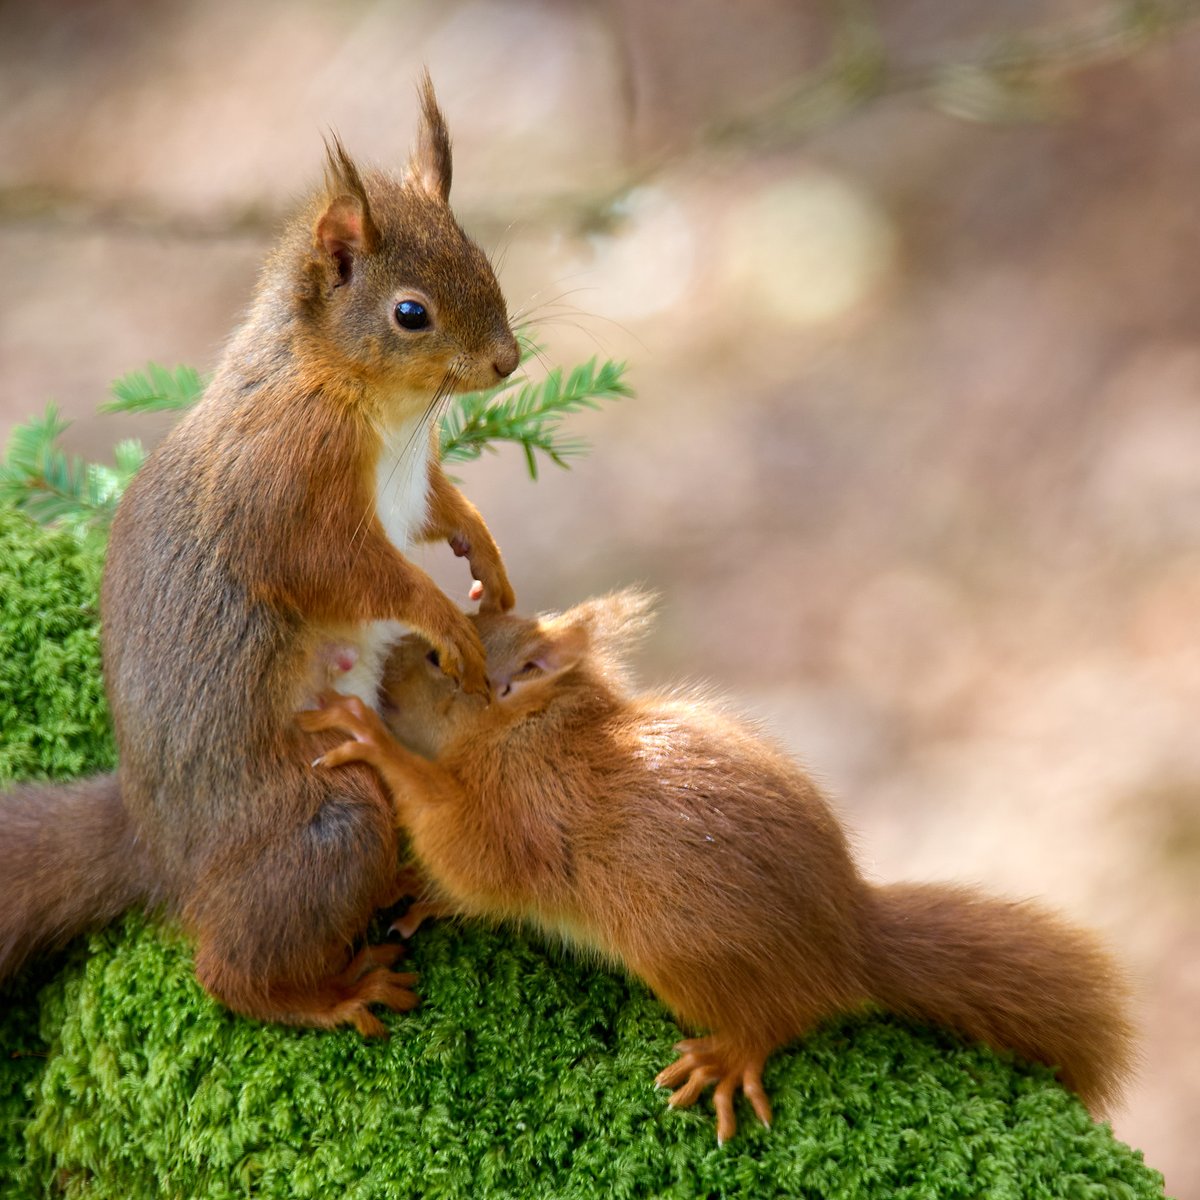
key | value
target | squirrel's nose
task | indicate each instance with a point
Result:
(508, 358)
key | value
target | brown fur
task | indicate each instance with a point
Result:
(660, 833)
(248, 540)
(68, 860)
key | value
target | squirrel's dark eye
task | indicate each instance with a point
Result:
(410, 314)
(432, 657)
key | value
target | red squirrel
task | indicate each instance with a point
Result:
(270, 524)
(664, 835)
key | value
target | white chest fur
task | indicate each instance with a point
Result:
(402, 503)
(402, 480)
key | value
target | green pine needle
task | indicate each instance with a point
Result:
(530, 415)
(38, 476)
(156, 389)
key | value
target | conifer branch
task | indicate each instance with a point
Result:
(38, 476)
(156, 389)
(530, 415)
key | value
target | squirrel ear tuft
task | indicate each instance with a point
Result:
(345, 228)
(430, 168)
(615, 622)
(608, 628)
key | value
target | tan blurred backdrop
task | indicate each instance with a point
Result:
(915, 457)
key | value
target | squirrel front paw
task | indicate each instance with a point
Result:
(368, 736)
(460, 653)
(491, 587)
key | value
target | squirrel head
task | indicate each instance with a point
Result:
(531, 661)
(390, 287)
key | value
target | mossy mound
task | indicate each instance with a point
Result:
(525, 1073)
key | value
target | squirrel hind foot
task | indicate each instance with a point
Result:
(369, 958)
(390, 988)
(369, 980)
(716, 1061)
(341, 999)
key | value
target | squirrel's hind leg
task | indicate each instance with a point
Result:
(272, 946)
(715, 1059)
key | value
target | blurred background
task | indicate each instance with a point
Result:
(910, 295)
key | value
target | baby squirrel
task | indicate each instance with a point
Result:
(269, 524)
(662, 834)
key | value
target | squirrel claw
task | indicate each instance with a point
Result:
(367, 734)
(368, 979)
(464, 669)
(710, 1060)
(473, 678)
(389, 988)
(497, 597)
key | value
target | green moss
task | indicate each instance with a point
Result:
(525, 1073)
(53, 717)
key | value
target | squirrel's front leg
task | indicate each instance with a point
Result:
(343, 577)
(455, 519)
(412, 780)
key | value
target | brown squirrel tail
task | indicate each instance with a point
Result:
(69, 861)
(1008, 974)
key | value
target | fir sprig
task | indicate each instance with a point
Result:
(156, 389)
(530, 415)
(37, 475)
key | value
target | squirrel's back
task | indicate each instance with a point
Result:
(194, 668)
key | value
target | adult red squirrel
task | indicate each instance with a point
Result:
(268, 525)
(663, 834)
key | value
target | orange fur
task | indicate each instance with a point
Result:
(663, 834)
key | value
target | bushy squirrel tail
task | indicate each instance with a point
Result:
(1008, 974)
(68, 862)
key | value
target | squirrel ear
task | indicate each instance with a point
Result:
(553, 650)
(560, 648)
(430, 168)
(346, 228)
